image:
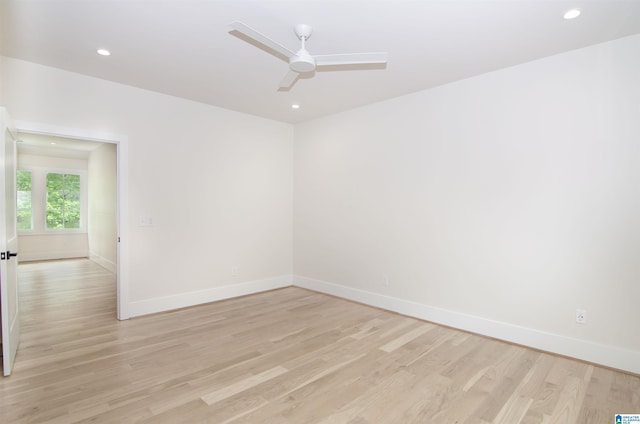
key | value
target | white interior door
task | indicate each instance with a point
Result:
(8, 245)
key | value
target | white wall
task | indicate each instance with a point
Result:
(102, 232)
(499, 204)
(39, 244)
(216, 184)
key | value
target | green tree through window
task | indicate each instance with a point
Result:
(63, 201)
(23, 188)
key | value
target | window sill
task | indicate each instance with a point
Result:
(51, 233)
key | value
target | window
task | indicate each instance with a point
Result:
(63, 201)
(23, 187)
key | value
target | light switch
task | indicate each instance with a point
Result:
(145, 221)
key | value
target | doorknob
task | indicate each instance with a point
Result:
(7, 255)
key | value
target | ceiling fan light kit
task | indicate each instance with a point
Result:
(302, 61)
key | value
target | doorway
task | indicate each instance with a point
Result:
(66, 199)
(104, 239)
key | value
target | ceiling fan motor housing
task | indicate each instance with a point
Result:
(302, 62)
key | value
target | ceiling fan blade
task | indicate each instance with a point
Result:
(289, 79)
(260, 38)
(350, 59)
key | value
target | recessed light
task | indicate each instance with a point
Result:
(53, 143)
(104, 52)
(295, 106)
(572, 14)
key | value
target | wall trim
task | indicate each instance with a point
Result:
(182, 300)
(103, 262)
(53, 255)
(68, 132)
(609, 356)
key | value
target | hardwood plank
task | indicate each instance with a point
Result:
(285, 356)
(242, 385)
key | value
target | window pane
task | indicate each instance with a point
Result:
(72, 183)
(72, 216)
(63, 201)
(23, 196)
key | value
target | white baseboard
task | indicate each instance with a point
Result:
(103, 262)
(609, 356)
(182, 300)
(50, 256)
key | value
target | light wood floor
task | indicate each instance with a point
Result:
(286, 356)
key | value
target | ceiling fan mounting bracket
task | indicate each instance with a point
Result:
(303, 31)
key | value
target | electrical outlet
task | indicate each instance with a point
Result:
(581, 316)
(385, 278)
(234, 270)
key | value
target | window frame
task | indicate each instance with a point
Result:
(39, 201)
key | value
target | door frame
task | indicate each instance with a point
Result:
(122, 190)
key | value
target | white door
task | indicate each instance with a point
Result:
(8, 244)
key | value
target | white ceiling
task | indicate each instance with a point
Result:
(183, 48)
(47, 145)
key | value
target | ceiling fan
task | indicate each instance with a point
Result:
(302, 61)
